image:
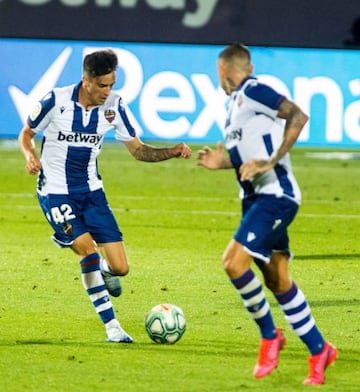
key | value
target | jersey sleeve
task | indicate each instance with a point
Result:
(263, 98)
(123, 129)
(39, 118)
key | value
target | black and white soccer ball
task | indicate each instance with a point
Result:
(165, 323)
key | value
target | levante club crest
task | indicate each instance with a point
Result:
(109, 115)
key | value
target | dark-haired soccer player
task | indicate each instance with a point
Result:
(75, 120)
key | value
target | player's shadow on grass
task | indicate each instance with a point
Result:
(59, 342)
(338, 256)
(205, 347)
(335, 302)
(44, 342)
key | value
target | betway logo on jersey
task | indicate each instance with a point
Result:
(234, 135)
(79, 137)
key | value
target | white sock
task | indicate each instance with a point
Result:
(104, 266)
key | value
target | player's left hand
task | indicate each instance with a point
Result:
(249, 169)
(33, 165)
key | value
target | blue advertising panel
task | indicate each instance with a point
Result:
(172, 90)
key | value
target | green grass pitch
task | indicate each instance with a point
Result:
(176, 218)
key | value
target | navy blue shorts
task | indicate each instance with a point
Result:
(73, 215)
(263, 227)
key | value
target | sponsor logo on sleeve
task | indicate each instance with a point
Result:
(35, 112)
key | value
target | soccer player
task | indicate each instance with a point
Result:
(70, 191)
(258, 141)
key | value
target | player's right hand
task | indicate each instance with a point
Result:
(209, 158)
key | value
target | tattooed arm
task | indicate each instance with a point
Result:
(295, 121)
(147, 153)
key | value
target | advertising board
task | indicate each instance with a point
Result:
(172, 90)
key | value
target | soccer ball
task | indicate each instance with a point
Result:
(165, 324)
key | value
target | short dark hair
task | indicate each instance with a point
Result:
(100, 63)
(234, 51)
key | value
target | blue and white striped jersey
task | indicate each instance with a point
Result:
(73, 138)
(253, 131)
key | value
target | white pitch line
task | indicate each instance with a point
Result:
(186, 198)
(331, 216)
(204, 212)
(136, 197)
(8, 195)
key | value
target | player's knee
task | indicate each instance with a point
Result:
(121, 270)
(272, 285)
(277, 286)
(236, 262)
(230, 265)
